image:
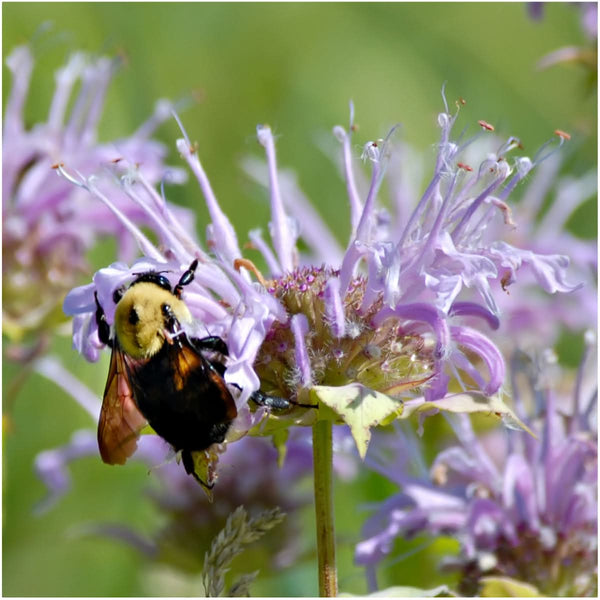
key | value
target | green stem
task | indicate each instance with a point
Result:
(323, 473)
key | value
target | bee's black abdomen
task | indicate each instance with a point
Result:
(184, 398)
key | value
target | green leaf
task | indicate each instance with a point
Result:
(362, 408)
(471, 402)
(442, 591)
(505, 587)
(359, 407)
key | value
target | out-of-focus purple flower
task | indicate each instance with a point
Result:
(48, 224)
(388, 315)
(520, 507)
(248, 476)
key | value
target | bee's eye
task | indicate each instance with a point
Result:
(133, 317)
(166, 310)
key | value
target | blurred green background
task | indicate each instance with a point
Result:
(294, 66)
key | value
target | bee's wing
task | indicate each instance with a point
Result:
(191, 367)
(120, 420)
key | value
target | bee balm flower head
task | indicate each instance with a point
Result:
(366, 334)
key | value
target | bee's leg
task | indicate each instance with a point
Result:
(186, 279)
(103, 326)
(172, 325)
(276, 402)
(190, 469)
(212, 342)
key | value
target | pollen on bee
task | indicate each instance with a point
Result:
(485, 125)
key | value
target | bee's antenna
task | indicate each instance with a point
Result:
(186, 279)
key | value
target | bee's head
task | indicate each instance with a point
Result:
(146, 315)
(156, 278)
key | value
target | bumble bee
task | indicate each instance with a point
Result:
(160, 376)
